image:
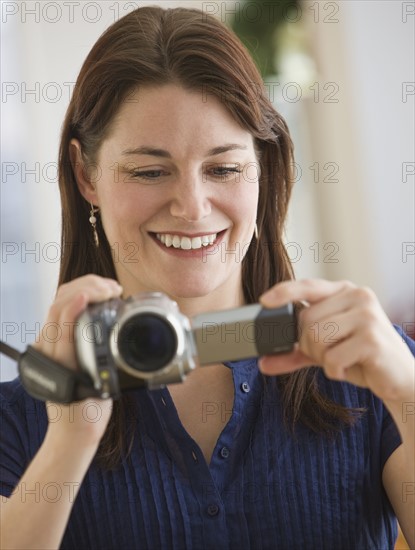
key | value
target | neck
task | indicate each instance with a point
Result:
(215, 301)
(227, 296)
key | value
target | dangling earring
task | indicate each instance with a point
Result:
(93, 222)
(256, 231)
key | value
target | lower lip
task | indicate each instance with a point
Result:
(192, 253)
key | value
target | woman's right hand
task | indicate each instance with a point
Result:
(82, 422)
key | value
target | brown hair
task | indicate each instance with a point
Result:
(153, 46)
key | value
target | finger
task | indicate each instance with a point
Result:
(64, 352)
(41, 344)
(356, 375)
(312, 290)
(326, 309)
(362, 314)
(57, 332)
(94, 290)
(57, 335)
(98, 288)
(319, 336)
(284, 363)
(340, 362)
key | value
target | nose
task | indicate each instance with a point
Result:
(190, 200)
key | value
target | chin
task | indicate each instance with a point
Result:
(191, 287)
(186, 292)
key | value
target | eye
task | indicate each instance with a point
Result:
(225, 171)
(147, 175)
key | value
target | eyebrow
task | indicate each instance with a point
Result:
(156, 152)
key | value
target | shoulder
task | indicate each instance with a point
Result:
(11, 391)
(22, 415)
(14, 396)
(23, 423)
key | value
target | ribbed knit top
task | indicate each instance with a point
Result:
(264, 487)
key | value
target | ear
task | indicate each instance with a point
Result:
(80, 169)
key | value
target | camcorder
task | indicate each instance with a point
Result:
(146, 342)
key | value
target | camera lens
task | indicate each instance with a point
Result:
(147, 342)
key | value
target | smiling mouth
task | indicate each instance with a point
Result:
(187, 243)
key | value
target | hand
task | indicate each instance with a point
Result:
(86, 421)
(346, 332)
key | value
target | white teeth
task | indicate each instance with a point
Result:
(186, 243)
(196, 242)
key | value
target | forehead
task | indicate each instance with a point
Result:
(177, 119)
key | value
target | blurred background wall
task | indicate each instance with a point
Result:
(342, 73)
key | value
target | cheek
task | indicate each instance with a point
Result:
(244, 205)
(128, 207)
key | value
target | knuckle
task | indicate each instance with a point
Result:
(93, 279)
(365, 295)
(310, 283)
(348, 285)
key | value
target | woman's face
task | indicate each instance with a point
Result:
(178, 194)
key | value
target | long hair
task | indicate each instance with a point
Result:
(152, 46)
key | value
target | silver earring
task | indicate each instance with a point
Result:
(256, 231)
(93, 222)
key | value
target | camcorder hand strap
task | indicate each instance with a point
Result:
(47, 380)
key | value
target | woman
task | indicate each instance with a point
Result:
(175, 176)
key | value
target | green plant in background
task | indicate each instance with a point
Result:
(257, 22)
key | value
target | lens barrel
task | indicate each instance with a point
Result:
(147, 342)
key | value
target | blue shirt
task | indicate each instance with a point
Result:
(264, 487)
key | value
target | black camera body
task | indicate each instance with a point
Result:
(145, 341)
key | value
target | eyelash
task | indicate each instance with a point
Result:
(149, 174)
(228, 170)
(145, 174)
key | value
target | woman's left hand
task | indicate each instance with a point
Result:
(346, 332)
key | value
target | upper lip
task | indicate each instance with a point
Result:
(190, 235)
